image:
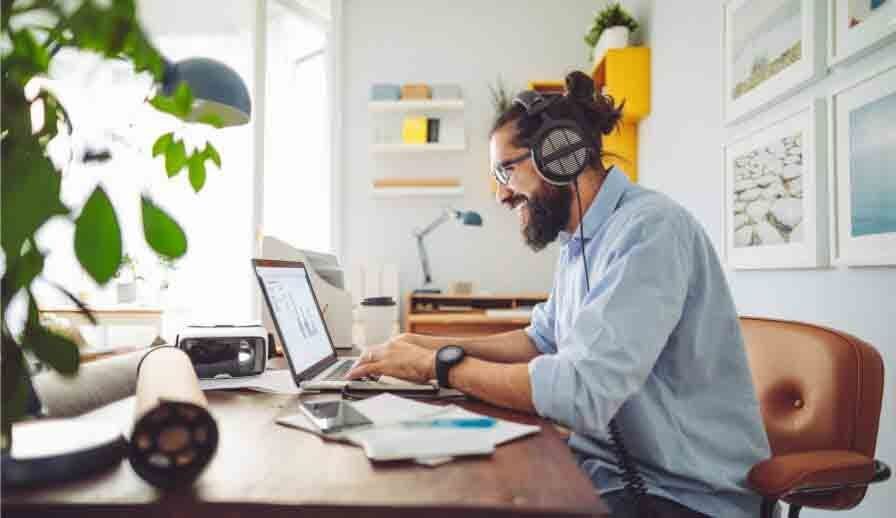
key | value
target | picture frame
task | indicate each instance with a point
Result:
(775, 192)
(862, 115)
(859, 27)
(770, 48)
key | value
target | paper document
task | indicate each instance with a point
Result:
(396, 434)
(277, 381)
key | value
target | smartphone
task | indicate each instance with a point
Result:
(334, 415)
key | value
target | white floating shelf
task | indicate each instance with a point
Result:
(421, 105)
(415, 148)
(405, 192)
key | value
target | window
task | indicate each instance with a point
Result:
(297, 179)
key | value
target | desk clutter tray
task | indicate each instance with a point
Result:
(406, 429)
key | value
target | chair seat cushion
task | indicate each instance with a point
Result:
(781, 474)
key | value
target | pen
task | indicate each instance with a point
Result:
(478, 422)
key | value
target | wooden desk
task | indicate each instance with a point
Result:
(264, 469)
(425, 313)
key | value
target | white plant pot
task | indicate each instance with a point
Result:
(612, 38)
(127, 292)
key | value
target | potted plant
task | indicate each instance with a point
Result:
(127, 279)
(611, 29)
(33, 32)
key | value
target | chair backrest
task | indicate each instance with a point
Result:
(818, 388)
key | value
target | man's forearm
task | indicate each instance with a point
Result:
(497, 383)
(510, 347)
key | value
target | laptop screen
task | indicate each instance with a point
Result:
(294, 309)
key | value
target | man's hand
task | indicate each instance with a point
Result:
(396, 358)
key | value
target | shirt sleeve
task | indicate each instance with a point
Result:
(634, 304)
(541, 326)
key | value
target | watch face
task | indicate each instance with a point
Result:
(450, 354)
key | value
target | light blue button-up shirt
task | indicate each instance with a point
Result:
(656, 343)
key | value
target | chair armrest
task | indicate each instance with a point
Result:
(821, 470)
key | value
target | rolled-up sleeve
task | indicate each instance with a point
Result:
(541, 326)
(636, 300)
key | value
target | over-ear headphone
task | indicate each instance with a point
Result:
(561, 148)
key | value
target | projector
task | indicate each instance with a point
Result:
(225, 350)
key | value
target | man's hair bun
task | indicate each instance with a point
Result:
(579, 86)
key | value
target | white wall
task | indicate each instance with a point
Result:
(681, 155)
(467, 42)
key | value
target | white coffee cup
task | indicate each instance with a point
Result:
(377, 318)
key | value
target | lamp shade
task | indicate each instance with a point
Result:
(217, 89)
(471, 218)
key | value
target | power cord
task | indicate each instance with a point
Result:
(635, 487)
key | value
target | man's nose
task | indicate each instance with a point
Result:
(502, 192)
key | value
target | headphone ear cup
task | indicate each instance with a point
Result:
(560, 152)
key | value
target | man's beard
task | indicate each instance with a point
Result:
(548, 215)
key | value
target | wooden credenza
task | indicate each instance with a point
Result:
(467, 315)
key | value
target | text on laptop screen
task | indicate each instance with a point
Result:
(302, 329)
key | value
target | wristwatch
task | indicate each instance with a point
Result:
(447, 357)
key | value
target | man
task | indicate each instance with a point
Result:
(649, 335)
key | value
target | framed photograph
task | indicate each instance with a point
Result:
(776, 193)
(859, 27)
(771, 48)
(863, 182)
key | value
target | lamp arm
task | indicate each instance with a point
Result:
(424, 258)
(445, 216)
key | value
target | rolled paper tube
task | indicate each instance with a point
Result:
(174, 435)
(96, 384)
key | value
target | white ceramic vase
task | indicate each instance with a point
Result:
(612, 38)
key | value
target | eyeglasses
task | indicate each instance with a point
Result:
(502, 170)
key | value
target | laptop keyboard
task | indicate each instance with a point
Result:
(338, 373)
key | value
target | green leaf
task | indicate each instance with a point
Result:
(98, 237)
(212, 119)
(162, 233)
(161, 144)
(15, 386)
(212, 154)
(175, 157)
(183, 99)
(164, 103)
(29, 192)
(60, 353)
(197, 171)
(23, 269)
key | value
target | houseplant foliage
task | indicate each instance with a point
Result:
(613, 15)
(32, 32)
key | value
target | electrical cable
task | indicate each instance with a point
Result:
(635, 487)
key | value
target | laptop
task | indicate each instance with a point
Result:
(307, 343)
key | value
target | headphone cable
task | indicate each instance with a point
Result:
(635, 487)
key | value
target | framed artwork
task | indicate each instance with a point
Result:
(775, 193)
(771, 47)
(860, 26)
(863, 185)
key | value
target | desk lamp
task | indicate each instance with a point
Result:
(465, 217)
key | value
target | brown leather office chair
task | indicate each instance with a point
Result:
(820, 392)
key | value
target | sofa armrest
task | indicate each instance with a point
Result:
(823, 469)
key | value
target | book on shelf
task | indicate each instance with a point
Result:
(432, 130)
(525, 312)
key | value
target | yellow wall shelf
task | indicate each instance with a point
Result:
(624, 74)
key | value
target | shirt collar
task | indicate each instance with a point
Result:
(614, 186)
